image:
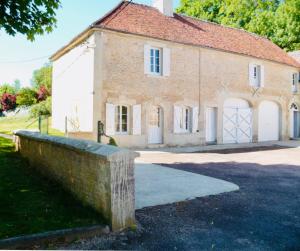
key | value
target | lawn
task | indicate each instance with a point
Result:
(32, 204)
(10, 124)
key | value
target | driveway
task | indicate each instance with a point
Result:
(264, 214)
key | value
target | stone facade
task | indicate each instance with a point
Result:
(199, 77)
(99, 175)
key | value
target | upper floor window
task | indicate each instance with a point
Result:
(155, 61)
(256, 75)
(295, 81)
(121, 119)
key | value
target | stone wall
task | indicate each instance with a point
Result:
(99, 175)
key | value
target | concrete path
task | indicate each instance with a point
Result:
(158, 185)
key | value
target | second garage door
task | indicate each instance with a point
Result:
(268, 121)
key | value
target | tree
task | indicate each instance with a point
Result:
(7, 88)
(17, 85)
(42, 108)
(26, 97)
(43, 77)
(28, 17)
(276, 19)
(8, 102)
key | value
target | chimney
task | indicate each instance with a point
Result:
(164, 6)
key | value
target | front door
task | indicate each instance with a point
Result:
(211, 125)
(155, 126)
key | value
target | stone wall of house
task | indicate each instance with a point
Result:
(198, 76)
(99, 175)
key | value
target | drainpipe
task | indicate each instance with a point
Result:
(199, 94)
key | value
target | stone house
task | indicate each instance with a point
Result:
(156, 78)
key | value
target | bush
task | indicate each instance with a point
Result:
(27, 97)
(42, 93)
(42, 108)
(6, 88)
(8, 102)
(112, 142)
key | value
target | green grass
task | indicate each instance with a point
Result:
(32, 204)
(10, 124)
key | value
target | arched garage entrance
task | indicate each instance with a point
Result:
(237, 121)
(268, 121)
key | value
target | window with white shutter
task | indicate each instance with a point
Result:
(295, 82)
(136, 120)
(183, 119)
(157, 60)
(121, 119)
(256, 75)
(110, 119)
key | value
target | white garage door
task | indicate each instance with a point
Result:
(268, 121)
(237, 122)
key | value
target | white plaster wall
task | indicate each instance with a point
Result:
(73, 86)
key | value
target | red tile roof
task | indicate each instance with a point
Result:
(147, 21)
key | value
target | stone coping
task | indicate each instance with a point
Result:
(107, 152)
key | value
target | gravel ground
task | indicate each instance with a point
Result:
(263, 215)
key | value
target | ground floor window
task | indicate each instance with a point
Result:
(121, 120)
(185, 118)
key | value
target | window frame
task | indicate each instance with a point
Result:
(185, 119)
(257, 75)
(160, 61)
(119, 120)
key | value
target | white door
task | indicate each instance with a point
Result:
(237, 125)
(155, 126)
(211, 124)
(296, 125)
(268, 121)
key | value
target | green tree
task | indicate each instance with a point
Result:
(7, 88)
(28, 17)
(43, 77)
(277, 20)
(17, 85)
(27, 97)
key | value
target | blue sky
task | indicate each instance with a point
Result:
(73, 17)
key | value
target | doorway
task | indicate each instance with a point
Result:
(155, 125)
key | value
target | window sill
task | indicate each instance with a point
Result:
(154, 75)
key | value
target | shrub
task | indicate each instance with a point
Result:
(112, 142)
(42, 93)
(8, 102)
(27, 97)
(6, 88)
(42, 108)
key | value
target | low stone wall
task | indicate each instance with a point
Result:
(99, 175)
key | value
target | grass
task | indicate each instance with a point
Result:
(10, 124)
(32, 204)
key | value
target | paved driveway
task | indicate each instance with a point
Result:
(263, 215)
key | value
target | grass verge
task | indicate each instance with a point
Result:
(10, 124)
(32, 204)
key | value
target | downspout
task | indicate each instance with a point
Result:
(199, 94)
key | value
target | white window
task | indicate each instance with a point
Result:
(295, 82)
(155, 61)
(121, 119)
(185, 119)
(256, 75)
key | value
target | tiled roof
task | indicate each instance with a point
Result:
(147, 21)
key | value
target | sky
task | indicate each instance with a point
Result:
(72, 18)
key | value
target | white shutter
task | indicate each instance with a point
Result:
(177, 117)
(147, 58)
(166, 61)
(252, 81)
(137, 119)
(110, 119)
(262, 76)
(195, 117)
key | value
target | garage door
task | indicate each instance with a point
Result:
(237, 122)
(268, 121)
